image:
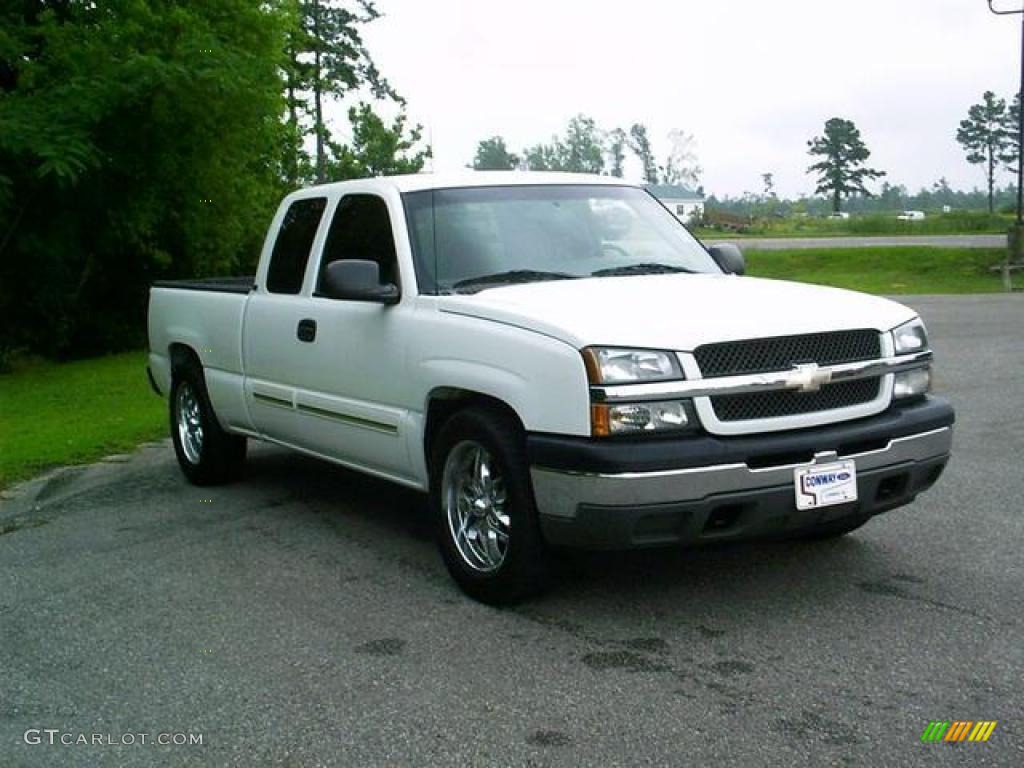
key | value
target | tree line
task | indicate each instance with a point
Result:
(146, 140)
(888, 198)
(988, 136)
(587, 148)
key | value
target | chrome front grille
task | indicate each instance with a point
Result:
(778, 403)
(783, 353)
(780, 353)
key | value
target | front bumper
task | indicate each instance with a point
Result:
(606, 494)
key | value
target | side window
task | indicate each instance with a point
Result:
(293, 244)
(361, 229)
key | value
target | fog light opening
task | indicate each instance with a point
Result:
(722, 518)
(892, 487)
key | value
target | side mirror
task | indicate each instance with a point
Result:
(357, 280)
(729, 258)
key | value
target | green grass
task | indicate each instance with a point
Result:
(69, 413)
(889, 270)
(955, 223)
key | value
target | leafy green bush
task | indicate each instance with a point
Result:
(137, 141)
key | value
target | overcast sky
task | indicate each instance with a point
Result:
(752, 80)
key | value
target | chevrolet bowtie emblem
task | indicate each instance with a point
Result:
(808, 377)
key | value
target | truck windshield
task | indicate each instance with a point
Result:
(468, 239)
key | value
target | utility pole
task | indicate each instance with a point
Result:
(321, 131)
(1016, 239)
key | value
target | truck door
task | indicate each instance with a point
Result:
(270, 329)
(352, 400)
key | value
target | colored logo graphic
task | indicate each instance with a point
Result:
(958, 730)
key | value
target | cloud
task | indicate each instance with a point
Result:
(753, 81)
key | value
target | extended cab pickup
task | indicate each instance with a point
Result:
(556, 361)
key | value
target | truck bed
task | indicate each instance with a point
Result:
(219, 284)
(206, 316)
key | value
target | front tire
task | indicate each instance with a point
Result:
(485, 516)
(207, 455)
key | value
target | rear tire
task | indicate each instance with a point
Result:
(484, 512)
(206, 453)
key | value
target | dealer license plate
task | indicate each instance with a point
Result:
(824, 485)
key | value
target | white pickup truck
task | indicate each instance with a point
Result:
(557, 362)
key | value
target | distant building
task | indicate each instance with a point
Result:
(684, 203)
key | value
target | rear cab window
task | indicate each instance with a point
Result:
(293, 245)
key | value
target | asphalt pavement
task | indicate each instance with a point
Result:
(787, 243)
(302, 617)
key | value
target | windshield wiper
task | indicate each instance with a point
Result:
(646, 268)
(511, 277)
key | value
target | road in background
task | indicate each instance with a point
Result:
(303, 617)
(786, 243)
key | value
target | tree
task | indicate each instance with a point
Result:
(942, 193)
(376, 148)
(984, 138)
(327, 59)
(616, 151)
(681, 165)
(1011, 155)
(892, 197)
(640, 143)
(543, 157)
(493, 155)
(768, 179)
(582, 151)
(137, 141)
(841, 171)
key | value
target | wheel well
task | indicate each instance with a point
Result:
(183, 356)
(446, 401)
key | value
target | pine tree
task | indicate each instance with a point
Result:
(841, 171)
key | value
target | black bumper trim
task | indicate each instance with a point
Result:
(756, 514)
(613, 456)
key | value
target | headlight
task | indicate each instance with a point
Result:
(913, 383)
(910, 337)
(640, 418)
(612, 365)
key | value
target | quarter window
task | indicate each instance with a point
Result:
(293, 244)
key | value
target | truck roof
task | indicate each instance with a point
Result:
(421, 181)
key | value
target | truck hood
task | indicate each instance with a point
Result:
(678, 312)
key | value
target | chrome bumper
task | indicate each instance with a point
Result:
(560, 494)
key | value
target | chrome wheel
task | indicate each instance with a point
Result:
(474, 498)
(190, 423)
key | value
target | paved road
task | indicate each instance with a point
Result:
(302, 618)
(947, 241)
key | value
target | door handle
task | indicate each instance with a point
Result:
(306, 330)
